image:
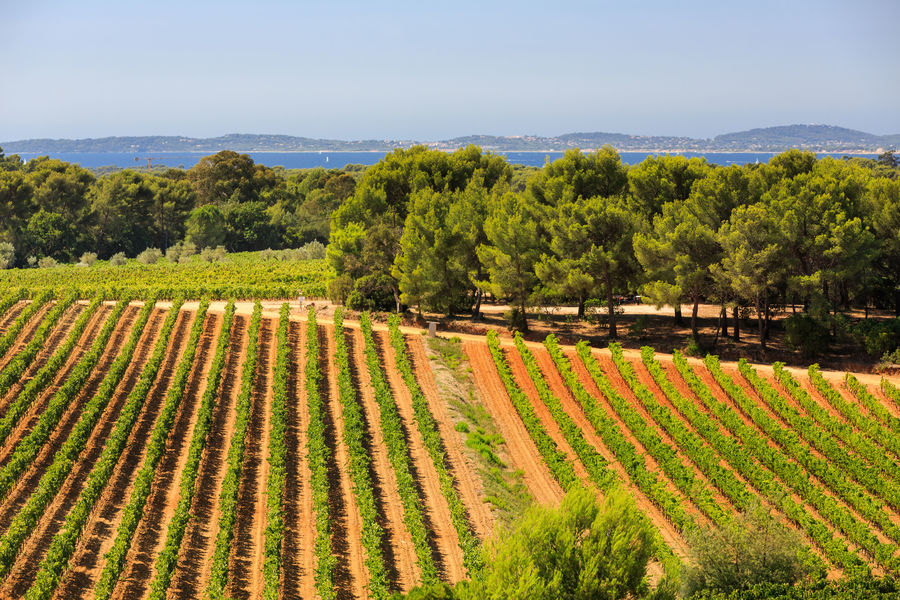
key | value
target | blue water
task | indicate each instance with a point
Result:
(336, 160)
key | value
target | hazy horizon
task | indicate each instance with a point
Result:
(405, 70)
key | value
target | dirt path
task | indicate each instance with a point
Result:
(523, 453)
(150, 535)
(26, 334)
(298, 582)
(57, 335)
(33, 414)
(449, 559)
(350, 573)
(398, 549)
(245, 578)
(192, 573)
(26, 484)
(99, 533)
(11, 315)
(467, 481)
(670, 534)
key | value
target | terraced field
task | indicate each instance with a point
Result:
(169, 450)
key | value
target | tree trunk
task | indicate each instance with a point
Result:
(678, 320)
(581, 301)
(613, 334)
(897, 302)
(759, 321)
(723, 321)
(737, 324)
(476, 314)
(767, 313)
(694, 317)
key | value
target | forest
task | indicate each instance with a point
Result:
(442, 232)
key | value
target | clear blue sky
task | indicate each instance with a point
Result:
(429, 70)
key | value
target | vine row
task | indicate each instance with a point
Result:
(12, 334)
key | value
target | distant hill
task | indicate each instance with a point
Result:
(819, 138)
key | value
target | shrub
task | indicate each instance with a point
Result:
(339, 289)
(213, 254)
(372, 292)
(117, 260)
(149, 256)
(46, 262)
(806, 334)
(878, 337)
(313, 250)
(754, 549)
(88, 259)
(179, 252)
(7, 255)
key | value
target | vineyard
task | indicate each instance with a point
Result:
(223, 450)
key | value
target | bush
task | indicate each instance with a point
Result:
(372, 292)
(516, 320)
(46, 262)
(213, 254)
(878, 337)
(754, 549)
(340, 288)
(32, 261)
(179, 252)
(149, 256)
(117, 260)
(7, 255)
(88, 259)
(806, 334)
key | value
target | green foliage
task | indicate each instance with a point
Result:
(878, 337)
(7, 255)
(806, 333)
(752, 549)
(371, 292)
(206, 226)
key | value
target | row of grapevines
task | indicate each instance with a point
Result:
(56, 561)
(624, 451)
(274, 534)
(360, 473)
(319, 456)
(10, 298)
(739, 457)
(665, 455)
(228, 497)
(168, 558)
(18, 325)
(398, 452)
(880, 434)
(428, 429)
(156, 448)
(853, 439)
(16, 367)
(554, 458)
(27, 518)
(827, 471)
(871, 402)
(792, 472)
(891, 391)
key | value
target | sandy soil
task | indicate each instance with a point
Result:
(523, 453)
(467, 483)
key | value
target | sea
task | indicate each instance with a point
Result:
(338, 160)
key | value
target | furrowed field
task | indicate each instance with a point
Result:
(187, 449)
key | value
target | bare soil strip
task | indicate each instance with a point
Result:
(31, 417)
(14, 311)
(192, 573)
(350, 574)
(25, 335)
(398, 549)
(30, 478)
(299, 523)
(150, 535)
(246, 567)
(444, 539)
(57, 335)
(99, 532)
(464, 473)
(523, 453)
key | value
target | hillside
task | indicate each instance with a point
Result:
(819, 138)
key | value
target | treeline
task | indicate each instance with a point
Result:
(50, 209)
(437, 231)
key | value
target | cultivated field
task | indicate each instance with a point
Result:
(187, 450)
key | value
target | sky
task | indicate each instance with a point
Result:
(430, 70)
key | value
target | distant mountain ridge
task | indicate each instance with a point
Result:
(818, 138)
